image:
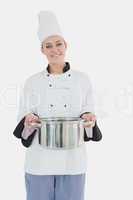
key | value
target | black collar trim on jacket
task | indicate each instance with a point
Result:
(65, 69)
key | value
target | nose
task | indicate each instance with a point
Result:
(55, 50)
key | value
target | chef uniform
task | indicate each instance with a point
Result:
(55, 174)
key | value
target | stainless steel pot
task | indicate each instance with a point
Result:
(61, 133)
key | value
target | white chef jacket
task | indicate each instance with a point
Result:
(56, 95)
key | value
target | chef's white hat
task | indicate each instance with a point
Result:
(48, 25)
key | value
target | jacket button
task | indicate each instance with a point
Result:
(69, 74)
(50, 85)
(51, 105)
(48, 75)
(65, 105)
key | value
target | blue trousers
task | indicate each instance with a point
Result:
(55, 187)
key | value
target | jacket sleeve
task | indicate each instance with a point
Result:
(94, 133)
(26, 105)
(26, 100)
(87, 101)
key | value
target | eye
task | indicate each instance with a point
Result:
(48, 46)
(59, 44)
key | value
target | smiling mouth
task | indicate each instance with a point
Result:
(55, 55)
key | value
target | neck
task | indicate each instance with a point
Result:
(56, 68)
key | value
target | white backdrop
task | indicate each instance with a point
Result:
(100, 43)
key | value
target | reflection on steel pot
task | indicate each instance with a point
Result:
(61, 133)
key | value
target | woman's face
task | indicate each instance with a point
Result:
(54, 47)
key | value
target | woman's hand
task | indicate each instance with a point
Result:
(30, 124)
(31, 120)
(89, 117)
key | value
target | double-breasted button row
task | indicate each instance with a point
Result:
(50, 85)
(51, 105)
(49, 75)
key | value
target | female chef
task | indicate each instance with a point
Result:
(57, 91)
